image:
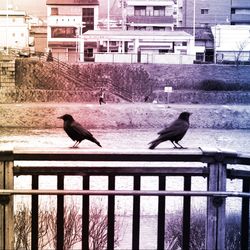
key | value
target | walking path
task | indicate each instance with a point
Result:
(124, 115)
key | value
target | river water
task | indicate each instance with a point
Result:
(238, 140)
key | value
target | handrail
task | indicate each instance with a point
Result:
(136, 163)
(66, 154)
(123, 193)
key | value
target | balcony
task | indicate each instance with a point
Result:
(238, 4)
(153, 20)
(187, 164)
(240, 18)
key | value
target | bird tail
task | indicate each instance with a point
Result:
(154, 144)
(95, 141)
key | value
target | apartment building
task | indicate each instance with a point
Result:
(14, 30)
(240, 12)
(67, 20)
(207, 13)
(150, 15)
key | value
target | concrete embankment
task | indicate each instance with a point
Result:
(126, 115)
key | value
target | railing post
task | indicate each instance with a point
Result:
(215, 227)
(6, 206)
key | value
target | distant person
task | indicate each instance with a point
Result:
(76, 131)
(174, 132)
(50, 57)
(146, 98)
(101, 97)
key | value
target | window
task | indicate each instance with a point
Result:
(159, 11)
(158, 28)
(64, 32)
(140, 10)
(140, 28)
(88, 19)
(54, 11)
(204, 11)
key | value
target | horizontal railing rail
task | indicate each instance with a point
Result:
(86, 163)
(4, 192)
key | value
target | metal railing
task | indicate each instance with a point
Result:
(125, 163)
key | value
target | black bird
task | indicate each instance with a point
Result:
(174, 132)
(76, 131)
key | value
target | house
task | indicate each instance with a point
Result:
(140, 46)
(204, 43)
(67, 20)
(14, 30)
(232, 43)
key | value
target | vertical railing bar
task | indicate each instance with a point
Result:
(136, 215)
(34, 213)
(60, 213)
(111, 213)
(85, 214)
(161, 214)
(245, 216)
(186, 214)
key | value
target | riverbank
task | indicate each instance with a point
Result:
(123, 115)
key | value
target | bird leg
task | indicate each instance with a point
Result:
(76, 144)
(181, 147)
(174, 145)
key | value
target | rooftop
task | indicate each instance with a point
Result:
(72, 2)
(136, 33)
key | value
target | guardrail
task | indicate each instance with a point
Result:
(20, 162)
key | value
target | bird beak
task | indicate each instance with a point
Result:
(60, 117)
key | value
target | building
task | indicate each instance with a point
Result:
(232, 43)
(204, 43)
(141, 46)
(207, 13)
(67, 20)
(14, 30)
(39, 33)
(150, 15)
(240, 12)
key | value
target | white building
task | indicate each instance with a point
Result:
(14, 30)
(67, 20)
(141, 46)
(232, 42)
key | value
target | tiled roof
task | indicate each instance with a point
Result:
(200, 33)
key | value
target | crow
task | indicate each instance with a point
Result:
(174, 132)
(76, 131)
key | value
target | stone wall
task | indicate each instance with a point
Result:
(7, 72)
(190, 76)
(38, 82)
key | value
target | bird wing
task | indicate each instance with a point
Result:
(77, 132)
(78, 128)
(176, 128)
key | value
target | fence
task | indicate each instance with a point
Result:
(125, 163)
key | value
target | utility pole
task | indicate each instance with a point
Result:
(108, 16)
(194, 19)
(7, 28)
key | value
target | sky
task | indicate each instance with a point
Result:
(38, 7)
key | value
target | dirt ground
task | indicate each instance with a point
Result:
(123, 115)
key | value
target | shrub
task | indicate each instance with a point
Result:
(219, 85)
(197, 230)
(72, 227)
